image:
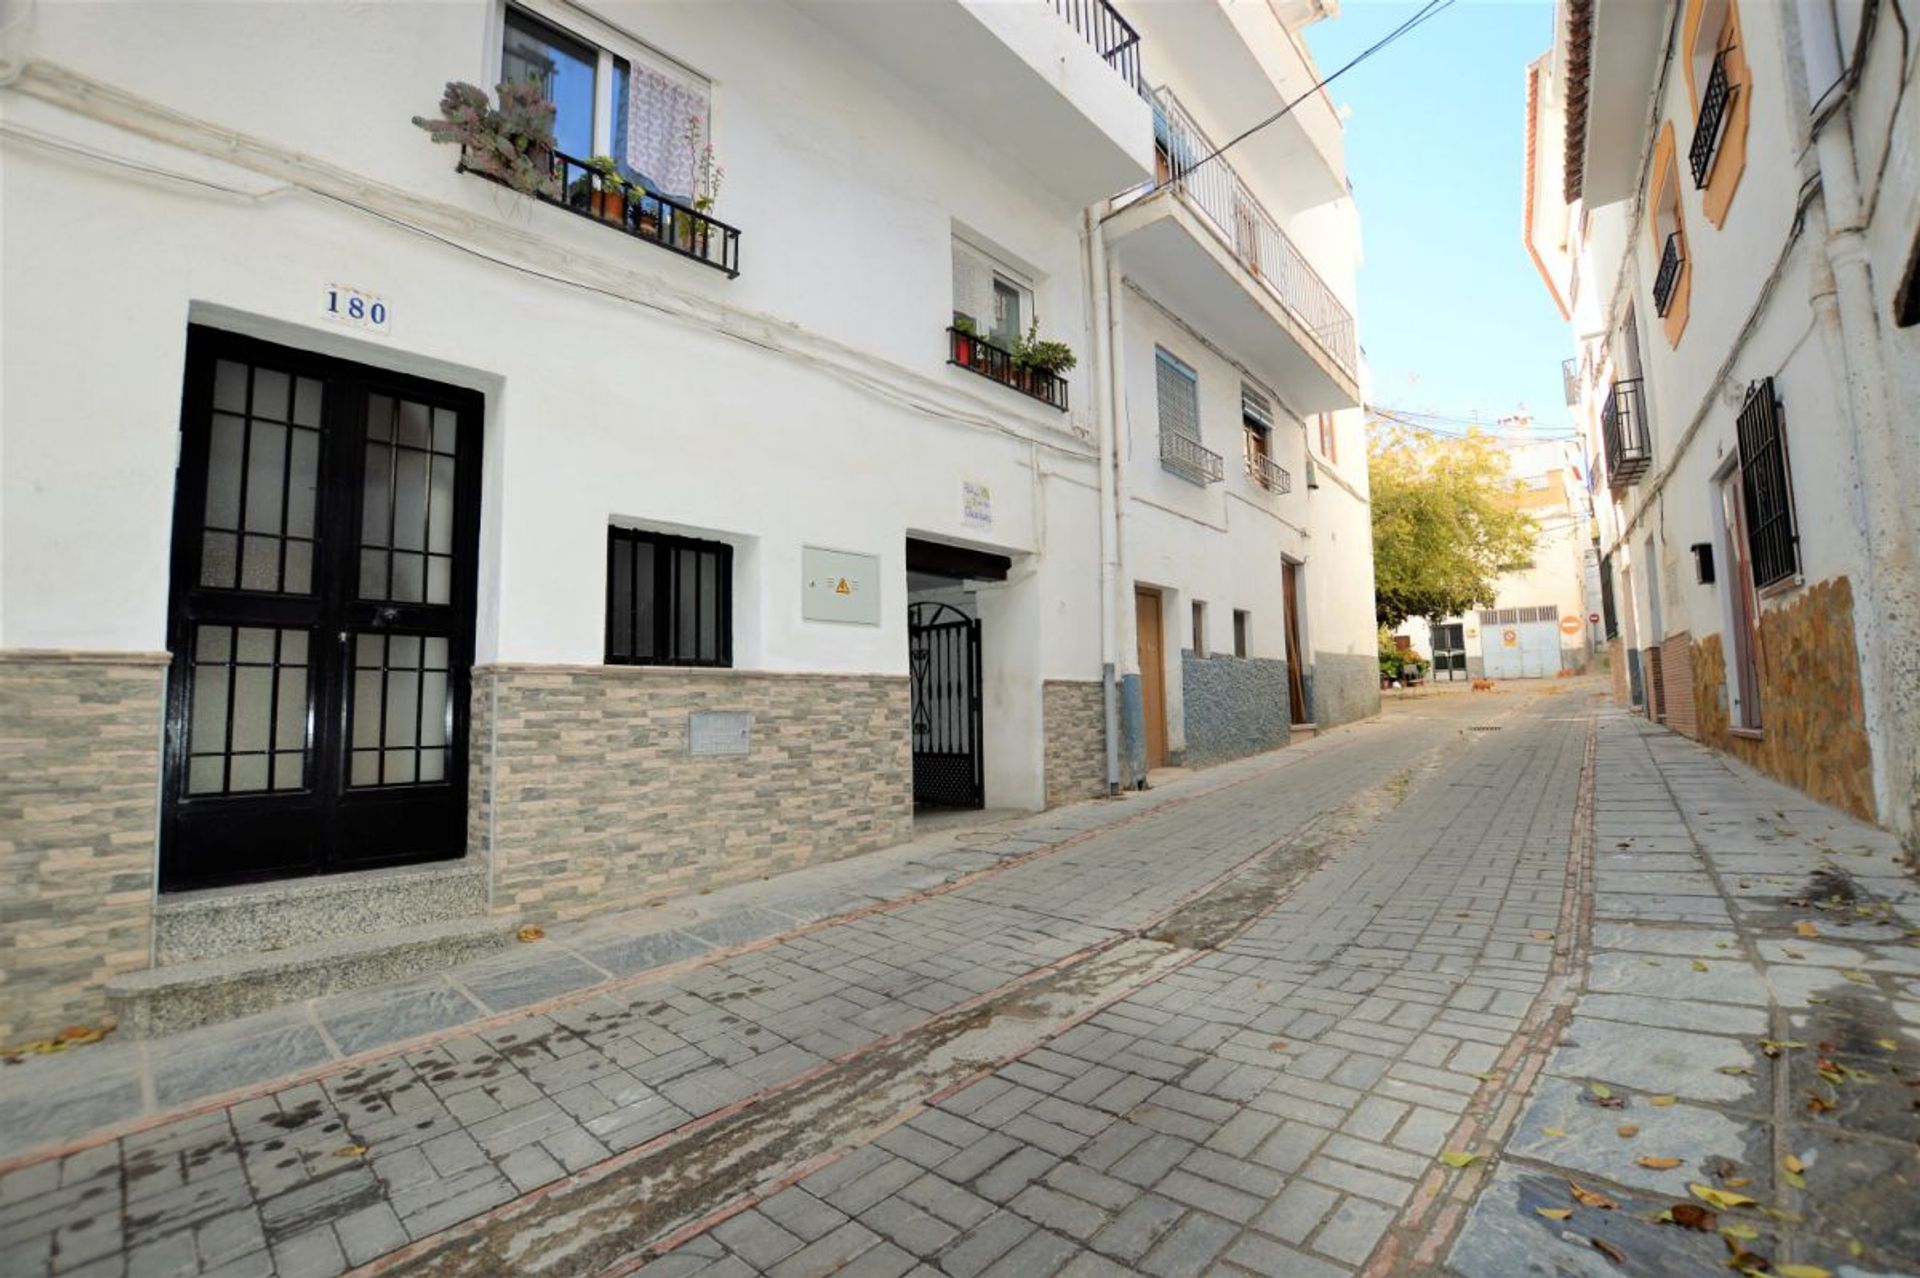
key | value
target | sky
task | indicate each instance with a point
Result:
(1454, 317)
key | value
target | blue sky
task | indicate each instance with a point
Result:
(1454, 318)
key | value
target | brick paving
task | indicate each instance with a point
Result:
(1226, 1028)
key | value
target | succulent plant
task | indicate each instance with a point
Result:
(512, 143)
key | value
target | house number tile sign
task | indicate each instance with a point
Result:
(356, 308)
(716, 732)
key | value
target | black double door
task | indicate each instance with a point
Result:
(325, 535)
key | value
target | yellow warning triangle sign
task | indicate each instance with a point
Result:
(843, 588)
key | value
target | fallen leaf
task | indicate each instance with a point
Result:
(1628, 1129)
(1802, 1271)
(1889, 1044)
(1601, 1090)
(1806, 929)
(350, 1151)
(1819, 1104)
(1698, 966)
(1795, 1179)
(1856, 976)
(1542, 936)
(1719, 1197)
(1661, 1102)
(1793, 1164)
(1489, 1077)
(1460, 1158)
(1608, 1250)
(1691, 1216)
(1587, 1198)
(1735, 1069)
(1737, 1182)
(1856, 1248)
(1554, 1213)
(1746, 1232)
(1554, 1132)
(531, 932)
(1816, 998)
(1277, 1045)
(1658, 1162)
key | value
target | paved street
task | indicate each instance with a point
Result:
(1369, 1004)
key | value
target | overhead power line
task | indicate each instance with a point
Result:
(1431, 9)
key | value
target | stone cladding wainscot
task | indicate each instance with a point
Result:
(1234, 706)
(1813, 722)
(80, 738)
(1075, 727)
(587, 796)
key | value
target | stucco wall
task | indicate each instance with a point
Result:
(1813, 723)
(596, 803)
(1235, 706)
(79, 781)
(1345, 688)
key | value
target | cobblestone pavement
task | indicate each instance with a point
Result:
(1228, 1027)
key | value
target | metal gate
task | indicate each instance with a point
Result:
(943, 651)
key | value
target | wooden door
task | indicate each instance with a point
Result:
(1296, 673)
(1153, 675)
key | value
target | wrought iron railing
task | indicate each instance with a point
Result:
(1188, 458)
(645, 215)
(1623, 422)
(1250, 231)
(1111, 36)
(1713, 114)
(1570, 380)
(1667, 281)
(1268, 473)
(976, 354)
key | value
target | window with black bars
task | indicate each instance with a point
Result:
(669, 600)
(1773, 546)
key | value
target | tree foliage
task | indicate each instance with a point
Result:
(1444, 523)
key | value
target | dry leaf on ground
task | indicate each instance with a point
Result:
(531, 932)
(1587, 1198)
(1658, 1162)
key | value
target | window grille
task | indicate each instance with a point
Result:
(1772, 542)
(669, 600)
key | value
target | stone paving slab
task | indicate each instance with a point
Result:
(1776, 1013)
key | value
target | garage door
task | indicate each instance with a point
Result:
(1520, 643)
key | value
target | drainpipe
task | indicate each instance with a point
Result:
(1103, 411)
(1890, 676)
(1122, 597)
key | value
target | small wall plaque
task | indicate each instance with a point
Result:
(711, 732)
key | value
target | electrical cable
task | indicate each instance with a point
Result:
(1431, 9)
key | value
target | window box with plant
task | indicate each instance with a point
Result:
(1033, 366)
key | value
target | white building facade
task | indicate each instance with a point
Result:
(1722, 199)
(386, 550)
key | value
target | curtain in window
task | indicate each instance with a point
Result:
(660, 111)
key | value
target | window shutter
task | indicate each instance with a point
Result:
(1254, 407)
(1179, 396)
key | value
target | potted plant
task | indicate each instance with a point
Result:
(963, 350)
(1032, 355)
(690, 233)
(511, 143)
(603, 189)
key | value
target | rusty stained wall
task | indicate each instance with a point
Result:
(1812, 715)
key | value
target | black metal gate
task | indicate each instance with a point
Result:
(943, 649)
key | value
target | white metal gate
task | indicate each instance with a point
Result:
(1520, 643)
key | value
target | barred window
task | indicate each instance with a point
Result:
(1773, 546)
(669, 600)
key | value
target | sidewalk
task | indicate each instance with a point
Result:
(1750, 1026)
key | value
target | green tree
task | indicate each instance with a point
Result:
(1445, 525)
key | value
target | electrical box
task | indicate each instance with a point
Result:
(839, 585)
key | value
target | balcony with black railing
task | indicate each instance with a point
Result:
(1191, 460)
(1712, 121)
(998, 364)
(659, 220)
(1110, 35)
(1667, 281)
(1268, 473)
(1623, 424)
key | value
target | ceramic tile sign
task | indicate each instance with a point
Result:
(711, 732)
(356, 308)
(839, 585)
(976, 504)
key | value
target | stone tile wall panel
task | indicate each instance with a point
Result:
(80, 738)
(1233, 706)
(1813, 714)
(1074, 721)
(591, 800)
